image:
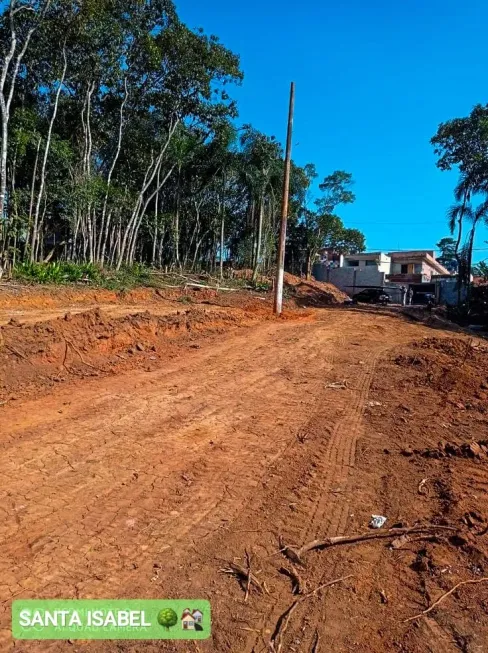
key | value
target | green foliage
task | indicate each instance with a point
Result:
(337, 190)
(185, 299)
(262, 286)
(141, 164)
(63, 272)
(463, 143)
(57, 273)
(311, 230)
(351, 241)
(481, 270)
(447, 247)
(128, 276)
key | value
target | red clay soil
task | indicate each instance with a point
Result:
(148, 482)
(92, 343)
(44, 302)
(315, 293)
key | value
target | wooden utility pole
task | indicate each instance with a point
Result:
(278, 301)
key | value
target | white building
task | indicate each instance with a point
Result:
(377, 260)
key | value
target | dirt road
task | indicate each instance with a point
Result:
(148, 483)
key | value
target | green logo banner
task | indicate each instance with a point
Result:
(111, 619)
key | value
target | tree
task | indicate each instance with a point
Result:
(336, 189)
(481, 270)
(463, 143)
(118, 145)
(447, 247)
(18, 23)
(351, 241)
(167, 618)
(313, 229)
(262, 164)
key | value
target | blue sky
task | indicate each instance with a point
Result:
(373, 81)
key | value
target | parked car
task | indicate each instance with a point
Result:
(372, 296)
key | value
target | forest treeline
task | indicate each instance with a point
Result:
(120, 144)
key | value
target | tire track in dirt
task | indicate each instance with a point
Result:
(337, 464)
(341, 460)
(334, 467)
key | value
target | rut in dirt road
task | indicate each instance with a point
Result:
(329, 514)
(329, 496)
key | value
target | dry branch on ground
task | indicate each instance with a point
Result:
(444, 596)
(296, 555)
(276, 642)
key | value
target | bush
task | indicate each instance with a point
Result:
(58, 272)
(127, 277)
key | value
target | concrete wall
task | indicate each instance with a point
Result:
(447, 292)
(350, 280)
(385, 264)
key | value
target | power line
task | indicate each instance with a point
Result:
(406, 223)
(416, 249)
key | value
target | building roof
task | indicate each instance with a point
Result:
(420, 255)
(365, 255)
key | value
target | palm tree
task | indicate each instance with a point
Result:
(480, 215)
(457, 215)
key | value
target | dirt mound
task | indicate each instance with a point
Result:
(475, 449)
(455, 347)
(456, 368)
(316, 293)
(92, 343)
(19, 297)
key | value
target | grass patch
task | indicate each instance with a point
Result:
(64, 273)
(57, 273)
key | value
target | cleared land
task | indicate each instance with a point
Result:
(142, 454)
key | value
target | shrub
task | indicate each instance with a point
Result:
(58, 272)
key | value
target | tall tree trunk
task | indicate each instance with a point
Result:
(32, 192)
(222, 226)
(6, 97)
(195, 232)
(44, 160)
(142, 213)
(161, 245)
(176, 226)
(156, 217)
(151, 171)
(197, 248)
(259, 238)
(110, 173)
(309, 264)
(458, 242)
